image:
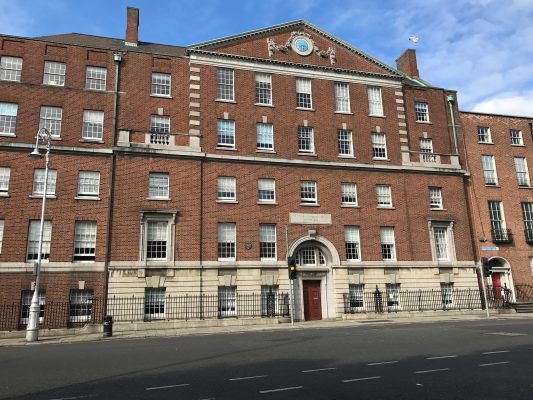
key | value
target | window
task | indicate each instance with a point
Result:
(441, 243)
(265, 137)
(33, 240)
(8, 118)
(310, 256)
(379, 146)
(226, 133)
(483, 134)
(435, 198)
(393, 295)
(375, 106)
(384, 197)
(160, 84)
(308, 192)
(497, 221)
(226, 188)
(344, 138)
(225, 84)
(531, 264)
(527, 212)
(160, 124)
(226, 241)
(348, 194)
(303, 93)
(156, 240)
(93, 125)
(27, 296)
(421, 110)
(263, 88)
(351, 241)
(342, 97)
(388, 251)
(1, 234)
(157, 229)
(81, 305)
(269, 300)
(51, 119)
(95, 78)
(267, 241)
(5, 173)
(266, 190)
(426, 151)
(85, 241)
(516, 137)
(88, 184)
(522, 173)
(489, 170)
(446, 290)
(38, 182)
(158, 185)
(54, 73)
(227, 299)
(10, 69)
(154, 303)
(305, 140)
(356, 293)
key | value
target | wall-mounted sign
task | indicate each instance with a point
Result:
(309, 219)
(488, 248)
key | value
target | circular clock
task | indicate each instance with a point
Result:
(302, 45)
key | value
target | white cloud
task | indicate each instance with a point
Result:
(508, 104)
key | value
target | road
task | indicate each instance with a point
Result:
(481, 359)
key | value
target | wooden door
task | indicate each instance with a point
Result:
(497, 286)
(312, 300)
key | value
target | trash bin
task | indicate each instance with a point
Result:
(108, 326)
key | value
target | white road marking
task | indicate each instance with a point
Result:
(318, 370)
(167, 387)
(247, 377)
(280, 389)
(383, 362)
(439, 357)
(506, 334)
(74, 397)
(496, 363)
(496, 352)
(427, 371)
(361, 379)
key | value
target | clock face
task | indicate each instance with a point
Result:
(302, 45)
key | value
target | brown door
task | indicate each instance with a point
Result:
(312, 301)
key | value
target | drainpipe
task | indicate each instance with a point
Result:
(201, 244)
(450, 104)
(117, 57)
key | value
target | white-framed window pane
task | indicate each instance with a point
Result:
(158, 185)
(342, 97)
(154, 303)
(85, 241)
(308, 192)
(227, 300)
(392, 291)
(226, 188)
(267, 241)
(307, 256)
(160, 124)
(10, 68)
(351, 241)
(88, 183)
(388, 251)
(269, 300)
(435, 197)
(489, 170)
(344, 138)
(441, 243)
(265, 137)
(33, 240)
(305, 140)
(5, 174)
(421, 110)
(81, 305)
(2, 223)
(303, 93)
(226, 133)
(160, 84)
(225, 84)
(93, 125)
(426, 150)
(38, 182)
(156, 240)
(95, 78)
(527, 212)
(516, 137)
(50, 119)
(384, 197)
(375, 106)
(379, 145)
(356, 294)
(263, 88)
(531, 264)
(447, 293)
(27, 296)
(496, 219)
(349, 193)
(522, 173)
(54, 73)
(8, 118)
(226, 241)
(266, 190)
(483, 134)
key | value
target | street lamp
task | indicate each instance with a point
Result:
(32, 330)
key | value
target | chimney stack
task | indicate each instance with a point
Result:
(132, 27)
(406, 63)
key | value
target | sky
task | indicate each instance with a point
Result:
(481, 48)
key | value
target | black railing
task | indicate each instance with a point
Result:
(524, 292)
(529, 235)
(499, 296)
(502, 235)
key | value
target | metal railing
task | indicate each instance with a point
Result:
(499, 296)
(502, 235)
(524, 292)
(529, 235)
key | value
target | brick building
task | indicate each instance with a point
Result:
(201, 169)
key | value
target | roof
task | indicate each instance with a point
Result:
(496, 115)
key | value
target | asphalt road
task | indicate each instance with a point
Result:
(490, 359)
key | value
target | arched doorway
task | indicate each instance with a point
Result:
(501, 279)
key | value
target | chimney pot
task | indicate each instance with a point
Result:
(132, 27)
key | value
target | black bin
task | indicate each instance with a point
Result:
(108, 326)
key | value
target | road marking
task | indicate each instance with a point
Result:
(167, 387)
(439, 357)
(496, 363)
(74, 397)
(247, 377)
(427, 371)
(496, 352)
(361, 379)
(506, 334)
(318, 370)
(383, 362)
(280, 389)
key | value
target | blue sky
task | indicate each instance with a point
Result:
(481, 48)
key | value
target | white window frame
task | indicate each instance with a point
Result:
(342, 97)
(384, 196)
(158, 186)
(308, 193)
(84, 241)
(516, 137)
(379, 146)
(227, 301)
(497, 216)
(527, 214)
(356, 294)
(264, 137)
(225, 134)
(352, 243)
(160, 124)
(442, 242)
(225, 84)
(392, 294)
(34, 230)
(148, 219)
(375, 103)
(93, 125)
(426, 151)
(5, 176)
(267, 242)
(349, 194)
(2, 225)
(227, 241)
(227, 189)
(95, 78)
(531, 264)
(421, 112)
(154, 303)
(483, 134)
(25, 303)
(490, 175)
(51, 119)
(272, 309)
(345, 142)
(38, 183)
(161, 84)
(435, 198)
(10, 68)
(522, 172)
(54, 73)
(266, 190)
(310, 256)
(8, 118)
(304, 94)
(263, 89)
(446, 289)
(157, 233)
(88, 184)
(388, 243)
(306, 140)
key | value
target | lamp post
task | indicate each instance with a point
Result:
(32, 330)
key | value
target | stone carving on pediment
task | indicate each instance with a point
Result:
(289, 45)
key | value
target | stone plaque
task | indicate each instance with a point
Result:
(310, 219)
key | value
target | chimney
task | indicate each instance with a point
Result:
(406, 63)
(132, 27)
